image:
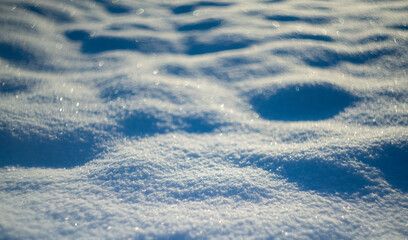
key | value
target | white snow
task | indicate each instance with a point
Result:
(275, 119)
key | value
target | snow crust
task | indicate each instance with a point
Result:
(275, 119)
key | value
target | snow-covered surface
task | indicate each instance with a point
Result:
(203, 120)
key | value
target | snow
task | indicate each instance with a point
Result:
(276, 119)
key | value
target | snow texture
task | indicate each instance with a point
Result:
(268, 119)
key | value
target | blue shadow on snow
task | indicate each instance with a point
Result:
(375, 38)
(114, 7)
(318, 175)
(100, 44)
(325, 58)
(218, 44)
(13, 86)
(306, 36)
(392, 161)
(145, 124)
(403, 27)
(17, 55)
(176, 70)
(49, 13)
(302, 102)
(118, 27)
(323, 177)
(21, 56)
(309, 20)
(188, 8)
(204, 25)
(66, 150)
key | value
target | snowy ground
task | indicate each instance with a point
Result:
(276, 119)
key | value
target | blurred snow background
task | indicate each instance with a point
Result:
(200, 120)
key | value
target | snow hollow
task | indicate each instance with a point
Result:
(267, 119)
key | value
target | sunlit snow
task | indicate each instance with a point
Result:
(269, 119)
